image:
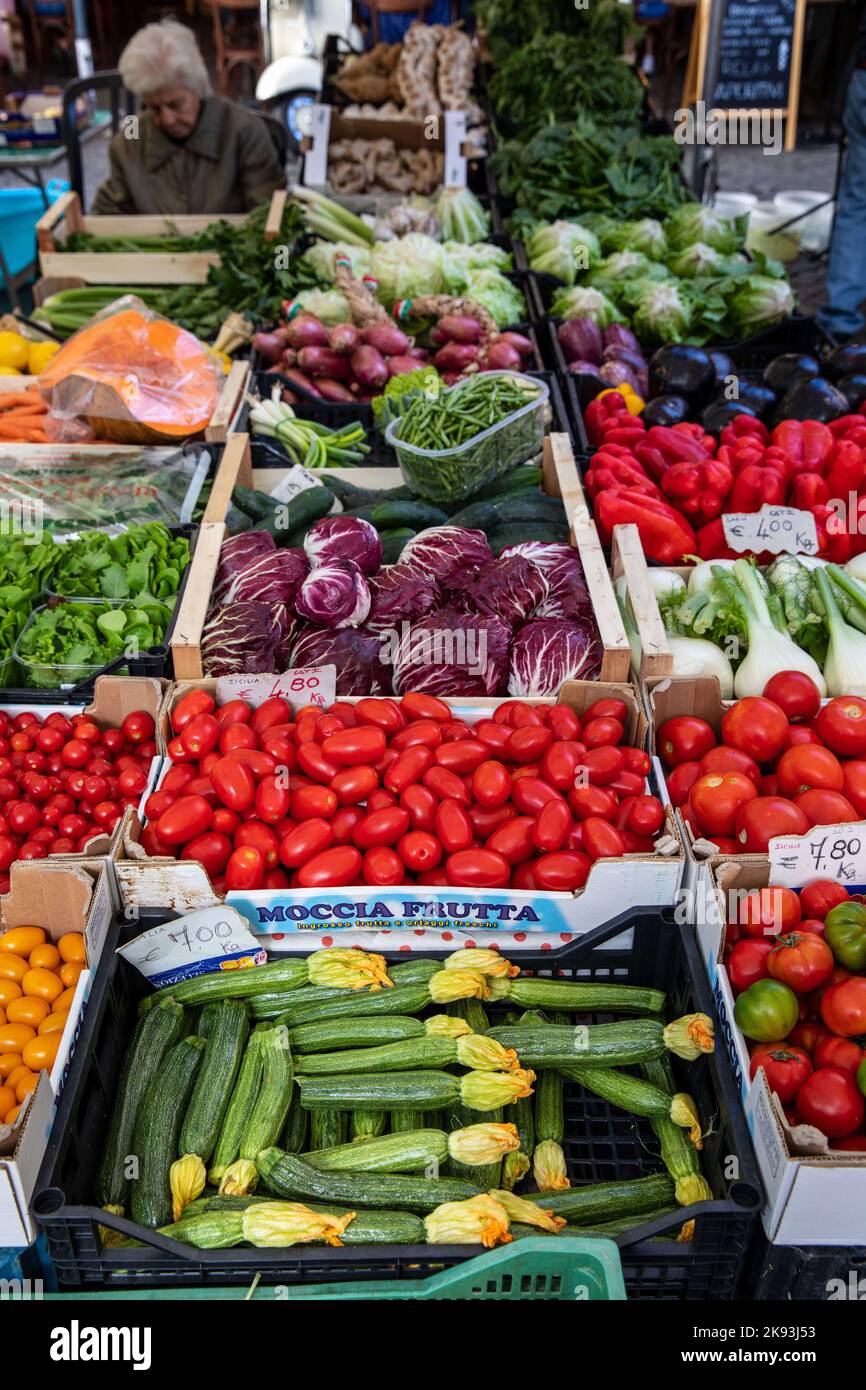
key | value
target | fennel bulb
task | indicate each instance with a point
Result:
(628, 622)
(702, 576)
(857, 567)
(665, 582)
(770, 650)
(845, 666)
(695, 656)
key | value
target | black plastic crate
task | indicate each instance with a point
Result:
(806, 1274)
(601, 1144)
(796, 334)
(156, 661)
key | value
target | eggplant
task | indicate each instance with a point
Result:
(789, 369)
(846, 361)
(812, 400)
(720, 413)
(853, 388)
(580, 340)
(723, 364)
(665, 410)
(618, 373)
(680, 370)
(761, 399)
(581, 368)
(618, 335)
(634, 360)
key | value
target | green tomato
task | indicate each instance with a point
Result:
(766, 1011)
(845, 934)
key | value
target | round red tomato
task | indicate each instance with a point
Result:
(756, 726)
(842, 725)
(820, 896)
(795, 693)
(854, 784)
(765, 817)
(825, 807)
(723, 759)
(684, 739)
(763, 912)
(801, 960)
(786, 1068)
(838, 1052)
(748, 963)
(808, 766)
(716, 800)
(807, 1035)
(681, 780)
(829, 1100)
(843, 1007)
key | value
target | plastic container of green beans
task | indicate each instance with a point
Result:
(450, 474)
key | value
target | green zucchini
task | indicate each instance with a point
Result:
(473, 1012)
(414, 972)
(420, 1151)
(328, 1128)
(355, 1032)
(394, 543)
(376, 1227)
(548, 1159)
(607, 1201)
(678, 1153)
(486, 1175)
(404, 1121)
(380, 1091)
(291, 1177)
(240, 1107)
(367, 1124)
(268, 1116)
(418, 515)
(157, 1127)
(288, 974)
(154, 1033)
(413, 1054)
(402, 999)
(228, 1027)
(597, 1045)
(526, 475)
(296, 1128)
(577, 996)
(629, 1093)
(212, 1230)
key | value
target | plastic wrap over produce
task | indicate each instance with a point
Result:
(104, 488)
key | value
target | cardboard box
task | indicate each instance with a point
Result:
(443, 134)
(59, 897)
(813, 1196)
(403, 914)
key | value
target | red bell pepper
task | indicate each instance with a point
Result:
(618, 473)
(807, 490)
(599, 411)
(846, 471)
(698, 489)
(834, 540)
(744, 425)
(652, 460)
(665, 534)
(626, 429)
(839, 428)
(755, 486)
(806, 442)
(678, 445)
(711, 545)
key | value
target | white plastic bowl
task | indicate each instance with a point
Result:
(814, 232)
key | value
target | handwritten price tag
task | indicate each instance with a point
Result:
(306, 685)
(214, 938)
(828, 851)
(772, 528)
(297, 479)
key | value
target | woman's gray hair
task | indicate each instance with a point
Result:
(164, 55)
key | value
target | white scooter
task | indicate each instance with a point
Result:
(295, 33)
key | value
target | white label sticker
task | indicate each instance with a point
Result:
(455, 160)
(305, 685)
(772, 528)
(315, 167)
(828, 851)
(214, 938)
(298, 479)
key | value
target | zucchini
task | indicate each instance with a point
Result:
(153, 1034)
(548, 1160)
(420, 1090)
(410, 1055)
(473, 1012)
(394, 543)
(288, 974)
(355, 1032)
(678, 1153)
(526, 475)
(404, 1121)
(416, 1152)
(376, 1227)
(630, 1093)
(607, 1201)
(413, 972)
(485, 1175)
(575, 996)
(157, 1127)
(418, 515)
(328, 1128)
(212, 1230)
(367, 1124)
(294, 1136)
(268, 1115)
(597, 1045)
(227, 1027)
(291, 1177)
(402, 999)
(240, 1107)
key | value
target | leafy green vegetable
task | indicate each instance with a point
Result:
(511, 24)
(142, 560)
(563, 249)
(400, 390)
(67, 642)
(555, 75)
(585, 303)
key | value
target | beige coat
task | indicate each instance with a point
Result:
(228, 164)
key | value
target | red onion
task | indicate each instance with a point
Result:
(420, 353)
(369, 367)
(345, 337)
(268, 346)
(460, 328)
(386, 338)
(517, 340)
(333, 390)
(398, 366)
(303, 382)
(503, 356)
(455, 357)
(306, 331)
(321, 361)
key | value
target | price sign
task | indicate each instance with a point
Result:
(772, 528)
(828, 851)
(214, 938)
(305, 685)
(455, 160)
(316, 140)
(297, 479)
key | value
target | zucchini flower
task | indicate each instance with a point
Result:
(448, 985)
(215, 1230)
(690, 1035)
(109, 1237)
(186, 1178)
(687, 1232)
(485, 1054)
(345, 967)
(488, 962)
(514, 1169)
(529, 1213)
(684, 1113)
(488, 1090)
(291, 1223)
(693, 1188)
(499, 987)
(484, 1143)
(480, 1220)
(443, 1026)
(239, 1178)
(548, 1166)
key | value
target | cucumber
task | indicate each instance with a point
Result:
(514, 534)
(227, 1027)
(351, 495)
(240, 1106)
(305, 507)
(328, 1128)
(258, 505)
(157, 1127)
(289, 1176)
(478, 516)
(419, 515)
(394, 543)
(517, 510)
(296, 1128)
(154, 1033)
(526, 475)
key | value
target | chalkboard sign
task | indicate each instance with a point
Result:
(755, 53)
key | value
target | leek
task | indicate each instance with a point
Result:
(770, 650)
(845, 666)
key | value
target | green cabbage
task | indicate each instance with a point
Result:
(758, 300)
(645, 234)
(321, 255)
(407, 268)
(660, 310)
(584, 303)
(693, 222)
(562, 249)
(497, 295)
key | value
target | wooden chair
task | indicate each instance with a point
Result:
(54, 29)
(238, 43)
(419, 9)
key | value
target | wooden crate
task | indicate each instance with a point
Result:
(560, 480)
(627, 559)
(66, 216)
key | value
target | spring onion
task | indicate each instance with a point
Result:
(305, 441)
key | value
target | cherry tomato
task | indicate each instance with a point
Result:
(383, 714)
(601, 840)
(830, 1100)
(312, 800)
(491, 781)
(453, 826)
(22, 817)
(49, 740)
(233, 712)
(765, 817)
(478, 868)
(383, 866)
(420, 851)
(106, 814)
(786, 1068)
(795, 693)
(212, 850)
(333, 868)
(88, 732)
(76, 753)
(562, 872)
(463, 755)
(748, 963)
(766, 912)
(32, 849)
(137, 727)
(723, 759)
(416, 705)
(421, 804)
(8, 851)
(308, 839)
(808, 766)
(820, 897)
(259, 836)
(716, 800)
(384, 827)
(196, 702)
(245, 870)
(842, 725)
(184, 820)
(838, 1052)
(410, 766)
(684, 739)
(843, 1007)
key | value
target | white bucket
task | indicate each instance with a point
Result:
(814, 231)
(734, 204)
(762, 220)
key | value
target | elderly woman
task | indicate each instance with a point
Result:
(188, 151)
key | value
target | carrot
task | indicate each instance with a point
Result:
(11, 400)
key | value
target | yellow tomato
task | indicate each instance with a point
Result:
(12, 1115)
(9, 1061)
(45, 957)
(13, 1036)
(7, 1100)
(54, 1023)
(3, 1018)
(26, 1085)
(9, 371)
(27, 1010)
(16, 1074)
(14, 351)
(13, 967)
(42, 984)
(41, 1051)
(9, 990)
(71, 947)
(22, 940)
(69, 973)
(39, 355)
(63, 1003)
